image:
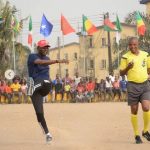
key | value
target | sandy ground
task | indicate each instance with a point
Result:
(94, 126)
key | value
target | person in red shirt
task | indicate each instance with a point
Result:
(90, 86)
(80, 97)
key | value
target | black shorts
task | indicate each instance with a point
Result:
(43, 87)
(138, 92)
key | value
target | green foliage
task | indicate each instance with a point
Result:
(130, 18)
(144, 42)
(6, 42)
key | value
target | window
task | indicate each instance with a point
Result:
(82, 63)
(91, 64)
(75, 70)
(57, 71)
(91, 42)
(66, 56)
(114, 40)
(75, 56)
(66, 71)
(58, 56)
(103, 64)
(103, 42)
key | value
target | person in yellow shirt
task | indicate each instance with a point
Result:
(16, 89)
(136, 65)
(67, 89)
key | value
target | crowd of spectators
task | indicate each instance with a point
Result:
(74, 89)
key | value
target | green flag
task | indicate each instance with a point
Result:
(30, 32)
(108, 25)
(118, 24)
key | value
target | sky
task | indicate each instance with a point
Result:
(72, 10)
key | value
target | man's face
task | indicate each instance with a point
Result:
(43, 50)
(133, 46)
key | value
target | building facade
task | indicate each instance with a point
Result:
(71, 52)
(89, 57)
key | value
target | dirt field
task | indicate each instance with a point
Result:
(94, 126)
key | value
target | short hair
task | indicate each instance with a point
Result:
(132, 38)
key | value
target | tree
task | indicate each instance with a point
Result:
(144, 42)
(7, 36)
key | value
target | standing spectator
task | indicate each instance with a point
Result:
(77, 78)
(67, 79)
(112, 77)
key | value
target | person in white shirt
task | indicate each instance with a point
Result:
(77, 78)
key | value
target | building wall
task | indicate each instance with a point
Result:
(99, 52)
(148, 8)
(70, 50)
(93, 49)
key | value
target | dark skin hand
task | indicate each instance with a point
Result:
(130, 66)
(133, 46)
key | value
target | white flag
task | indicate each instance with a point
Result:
(118, 37)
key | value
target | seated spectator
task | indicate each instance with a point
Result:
(90, 86)
(108, 84)
(24, 90)
(58, 89)
(2, 90)
(102, 89)
(55, 80)
(96, 89)
(67, 89)
(80, 97)
(16, 89)
(73, 91)
(8, 92)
